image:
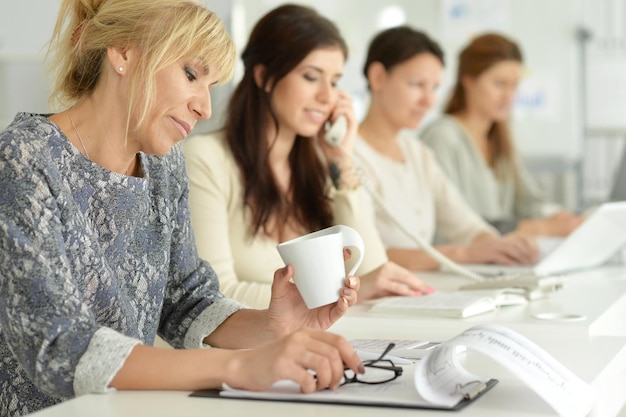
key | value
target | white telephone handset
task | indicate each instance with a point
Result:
(337, 131)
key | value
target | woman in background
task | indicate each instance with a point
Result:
(403, 70)
(474, 146)
(97, 254)
(266, 178)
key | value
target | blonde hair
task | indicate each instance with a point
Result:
(162, 32)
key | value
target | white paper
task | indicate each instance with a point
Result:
(399, 392)
(439, 376)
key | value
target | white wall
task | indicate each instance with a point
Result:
(25, 27)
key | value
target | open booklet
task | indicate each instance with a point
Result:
(439, 381)
(455, 304)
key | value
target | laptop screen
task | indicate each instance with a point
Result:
(618, 191)
(594, 242)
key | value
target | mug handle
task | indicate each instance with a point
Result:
(353, 240)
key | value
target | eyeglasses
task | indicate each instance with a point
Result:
(378, 371)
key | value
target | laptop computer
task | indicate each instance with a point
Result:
(618, 190)
(593, 243)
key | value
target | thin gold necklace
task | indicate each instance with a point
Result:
(69, 113)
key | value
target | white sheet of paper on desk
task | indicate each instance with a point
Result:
(440, 375)
(399, 392)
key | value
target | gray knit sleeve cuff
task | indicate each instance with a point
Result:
(209, 320)
(105, 356)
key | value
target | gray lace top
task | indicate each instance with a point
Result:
(91, 263)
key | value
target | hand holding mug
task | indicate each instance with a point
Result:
(288, 311)
(318, 261)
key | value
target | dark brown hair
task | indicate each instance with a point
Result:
(279, 42)
(398, 44)
(480, 55)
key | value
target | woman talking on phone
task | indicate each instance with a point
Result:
(269, 176)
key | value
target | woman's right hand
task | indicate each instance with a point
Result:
(511, 249)
(313, 359)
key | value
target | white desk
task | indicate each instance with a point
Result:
(595, 350)
(604, 369)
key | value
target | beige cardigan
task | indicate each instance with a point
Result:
(245, 264)
(512, 197)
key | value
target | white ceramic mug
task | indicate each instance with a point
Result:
(317, 259)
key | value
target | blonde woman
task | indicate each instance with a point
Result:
(97, 253)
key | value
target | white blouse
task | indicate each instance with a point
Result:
(419, 195)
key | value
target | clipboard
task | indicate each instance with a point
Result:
(388, 400)
(440, 382)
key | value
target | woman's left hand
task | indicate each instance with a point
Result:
(287, 311)
(392, 279)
